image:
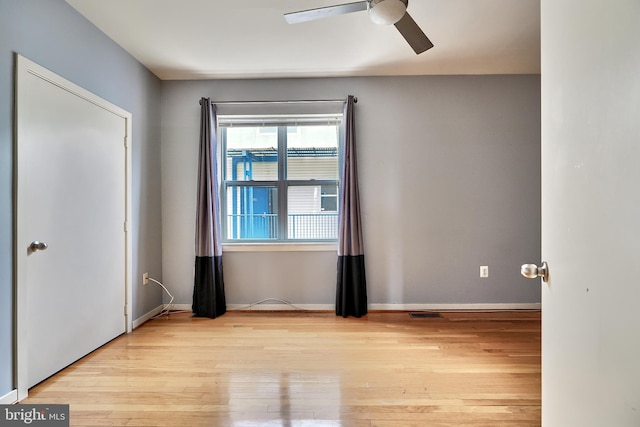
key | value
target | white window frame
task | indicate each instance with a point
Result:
(281, 183)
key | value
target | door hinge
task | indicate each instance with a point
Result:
(125, 310)
(126, 141)
(125, 227)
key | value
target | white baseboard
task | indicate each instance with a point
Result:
(263, 307)
(9, 398)
(140, 320)
(179, 307)
(457, 307)
(376, 307)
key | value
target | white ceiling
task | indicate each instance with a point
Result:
(202, 39)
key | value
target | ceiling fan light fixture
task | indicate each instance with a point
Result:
(387, 12)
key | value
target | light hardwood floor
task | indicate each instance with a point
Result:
(310, 369)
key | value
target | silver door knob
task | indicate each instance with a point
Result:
(37, 246)
(532, 271)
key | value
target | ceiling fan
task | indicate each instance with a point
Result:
(383, 12)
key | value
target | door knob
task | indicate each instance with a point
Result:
(37, 246)
(532, 271)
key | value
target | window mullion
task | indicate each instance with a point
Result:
(282, 183)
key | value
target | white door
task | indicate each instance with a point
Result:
(591, 213)
(71, 187)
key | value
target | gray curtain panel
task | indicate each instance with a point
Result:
(351, 293)
(208, 288)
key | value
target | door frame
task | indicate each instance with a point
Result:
(23, 68)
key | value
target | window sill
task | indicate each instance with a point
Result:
(280, 247)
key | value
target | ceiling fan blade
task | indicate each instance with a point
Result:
(413, 34)
(325, 12)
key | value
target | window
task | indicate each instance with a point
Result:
(280, 178)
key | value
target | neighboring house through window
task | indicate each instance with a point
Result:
(280, 177)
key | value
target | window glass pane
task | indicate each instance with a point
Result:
(252, 212)
(252, 154)
(329, 198)
(312, 152)
(306, 219)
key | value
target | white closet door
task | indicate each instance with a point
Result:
(71, 197)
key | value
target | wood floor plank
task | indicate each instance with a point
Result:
(310, 369)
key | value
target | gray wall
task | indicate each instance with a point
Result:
(449, 177)
(54, 35)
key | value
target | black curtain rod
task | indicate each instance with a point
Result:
(299, 101)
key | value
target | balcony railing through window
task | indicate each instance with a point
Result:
(315, 226)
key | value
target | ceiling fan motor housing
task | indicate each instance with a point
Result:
(387, 12)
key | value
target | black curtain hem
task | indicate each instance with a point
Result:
(351, 293)
(208, 289)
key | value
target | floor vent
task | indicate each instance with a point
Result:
(424, 315)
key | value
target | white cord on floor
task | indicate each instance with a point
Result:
(167, 308)
(271, 299)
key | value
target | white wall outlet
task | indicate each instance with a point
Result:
(484, 271)
(145, 278)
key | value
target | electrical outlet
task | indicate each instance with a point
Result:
(484, 271)
(145, 278)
